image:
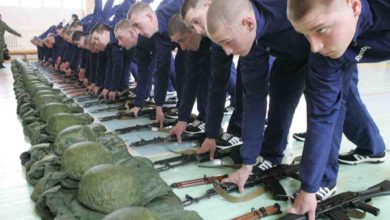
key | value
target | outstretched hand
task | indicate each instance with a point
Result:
(304, 203)
(179, 128)
(239, 177)
(208, 145)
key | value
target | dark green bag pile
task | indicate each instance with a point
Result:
(76, 159)
(60, 203)
(49, 163)
(35, 153)
(84, 173)
(133, 213)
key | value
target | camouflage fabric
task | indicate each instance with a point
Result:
(169, 207)
(152, 184)
(33, 131)
(116, 146)
(133, 213)
(61, 203)
(51, 180)
(41, 100)
(99, 129)
(60, 121)
(165, 203)
(47, 110)
(72, 135)
(79, 157)
(109, 187)
(44, 166)
(179, 215)
(3, 28)
(36, 153)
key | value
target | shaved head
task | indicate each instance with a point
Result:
(224, 13)
(232, 25)
(187, 5)
(125, 34)
(297, 9)
(137, 8)
(143, 19)
(177, 25)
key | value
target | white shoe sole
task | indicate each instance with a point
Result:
(368, 160)
(298, 138)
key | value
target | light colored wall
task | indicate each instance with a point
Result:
(32, 22)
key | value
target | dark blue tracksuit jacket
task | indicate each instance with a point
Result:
(287, 81)
(327, 87)
(196, 82)
(163, 48)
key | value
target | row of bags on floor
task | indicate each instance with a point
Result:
(77, 168)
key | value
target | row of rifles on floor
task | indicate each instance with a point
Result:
(341, 206)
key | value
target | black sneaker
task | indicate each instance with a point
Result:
(322, 194)
(172, 114)
(170, 104)
(131, 96)
(227, 141)
(262, 166)
(228, 110)
(196, 127)
(325, 193)
(299, 136)
(353, 158)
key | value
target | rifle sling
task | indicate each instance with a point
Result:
(232, 166)
(191, 151)
(236, 199)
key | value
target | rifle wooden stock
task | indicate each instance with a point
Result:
(196, 182)
(260, 213)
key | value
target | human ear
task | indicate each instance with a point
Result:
(357, 7)
(249, 23)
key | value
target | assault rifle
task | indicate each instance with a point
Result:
(151, 126)
(187, 158)
(71, 86)
(169, 139)
(87, 98)
(121, 99)
(109, 109)
(260, 213)
(197, 182)
(269, 178)
(336, 207)
(124, 115)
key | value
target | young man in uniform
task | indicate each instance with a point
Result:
(238, 27)
(193, 13)
(341, 34)
(197, 77)
(154, 25)
(113, 80)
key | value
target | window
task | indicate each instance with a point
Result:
(52, 3)
(73, 4)
(31, 3)
(9, 2)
